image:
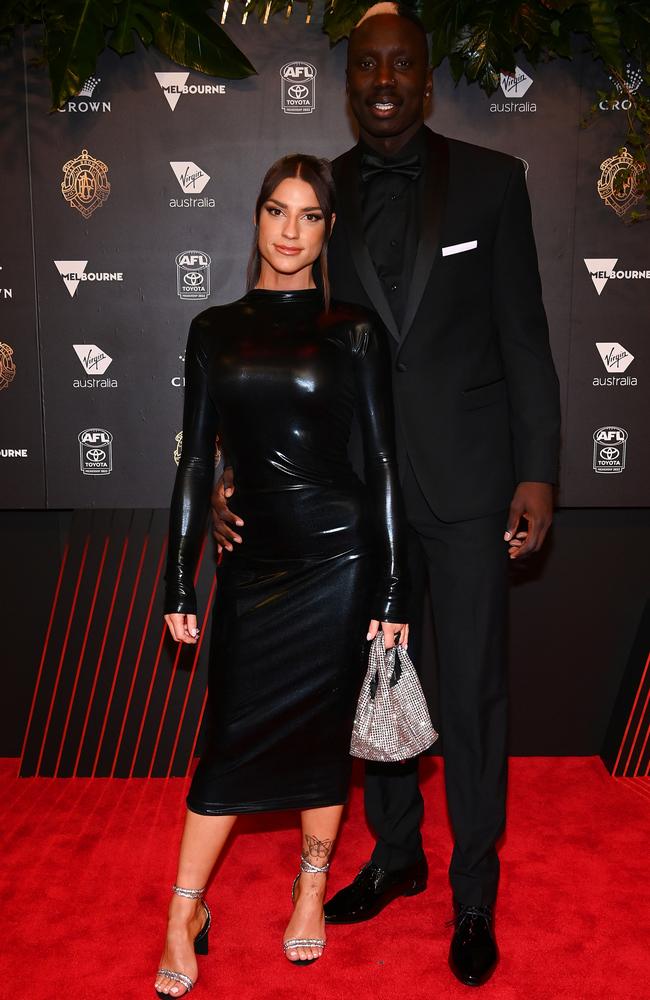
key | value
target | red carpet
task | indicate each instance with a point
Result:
(87, 865)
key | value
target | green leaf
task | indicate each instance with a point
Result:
(75, 36)
(488, 44)
(457, 66)
(445, 19)
(635, 31)
(17, 12)
(190, 38)
(341, 17)
(530, 23)
(606, 32)
(136, 18)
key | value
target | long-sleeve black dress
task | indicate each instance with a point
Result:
(279, 378)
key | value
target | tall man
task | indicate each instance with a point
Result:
(435, 235)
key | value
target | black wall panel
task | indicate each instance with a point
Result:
(167, 161)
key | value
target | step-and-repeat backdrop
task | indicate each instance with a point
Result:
(130, 210)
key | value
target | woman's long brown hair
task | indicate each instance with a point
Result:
(318, 174)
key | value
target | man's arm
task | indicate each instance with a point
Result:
(531, 379)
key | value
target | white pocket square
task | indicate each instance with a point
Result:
(459, 248)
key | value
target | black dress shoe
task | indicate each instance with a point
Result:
(473, 954)
(372, 890)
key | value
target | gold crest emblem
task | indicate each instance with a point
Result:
(85, 183)
(178, 450)
(7, 366)
(620, 181)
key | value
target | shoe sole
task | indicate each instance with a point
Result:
(472, 981)
(414, 890)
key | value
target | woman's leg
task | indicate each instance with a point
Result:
(202, 842)
(319, 830)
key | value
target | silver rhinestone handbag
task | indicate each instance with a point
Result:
(392, 720)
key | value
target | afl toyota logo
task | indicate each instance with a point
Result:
(298, 88)
(193, 274)
(95, 451)
(609, 449)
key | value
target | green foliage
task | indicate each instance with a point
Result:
(479, 38)
(74, 37)
(340, 18)
(189, 37)
(136, 19)
(76, 32)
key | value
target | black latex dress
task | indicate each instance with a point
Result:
(278, 379)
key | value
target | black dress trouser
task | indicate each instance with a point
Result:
(466, 567)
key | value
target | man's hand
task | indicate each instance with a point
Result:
(222, 516)
(533, 502)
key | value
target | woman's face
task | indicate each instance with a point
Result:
(291, 228)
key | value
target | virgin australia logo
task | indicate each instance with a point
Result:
(192, 180)
(614, 356)
(514, 86)
(616, 359)
(93, 359)
(190, 177)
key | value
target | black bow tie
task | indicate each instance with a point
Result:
(372, 165)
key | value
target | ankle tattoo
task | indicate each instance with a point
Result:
(317, 851)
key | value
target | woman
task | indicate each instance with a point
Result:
(278, 375)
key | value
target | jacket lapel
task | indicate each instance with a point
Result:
(349, 199)
(432, 206)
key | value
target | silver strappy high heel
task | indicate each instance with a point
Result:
(309, 869)
(200, 941)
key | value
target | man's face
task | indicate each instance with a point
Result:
(388, 76)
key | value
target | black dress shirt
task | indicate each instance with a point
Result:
(389, 206)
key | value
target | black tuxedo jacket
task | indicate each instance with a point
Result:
(475, 389)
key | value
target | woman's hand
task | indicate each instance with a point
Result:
(394, 634)
(183, 628)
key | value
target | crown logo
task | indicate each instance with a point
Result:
(632, 82)
(89, 86)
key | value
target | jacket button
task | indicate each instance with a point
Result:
(401, 367)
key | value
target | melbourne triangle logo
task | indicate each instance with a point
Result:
(600, 270)
(172, 86)
(71, 272)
